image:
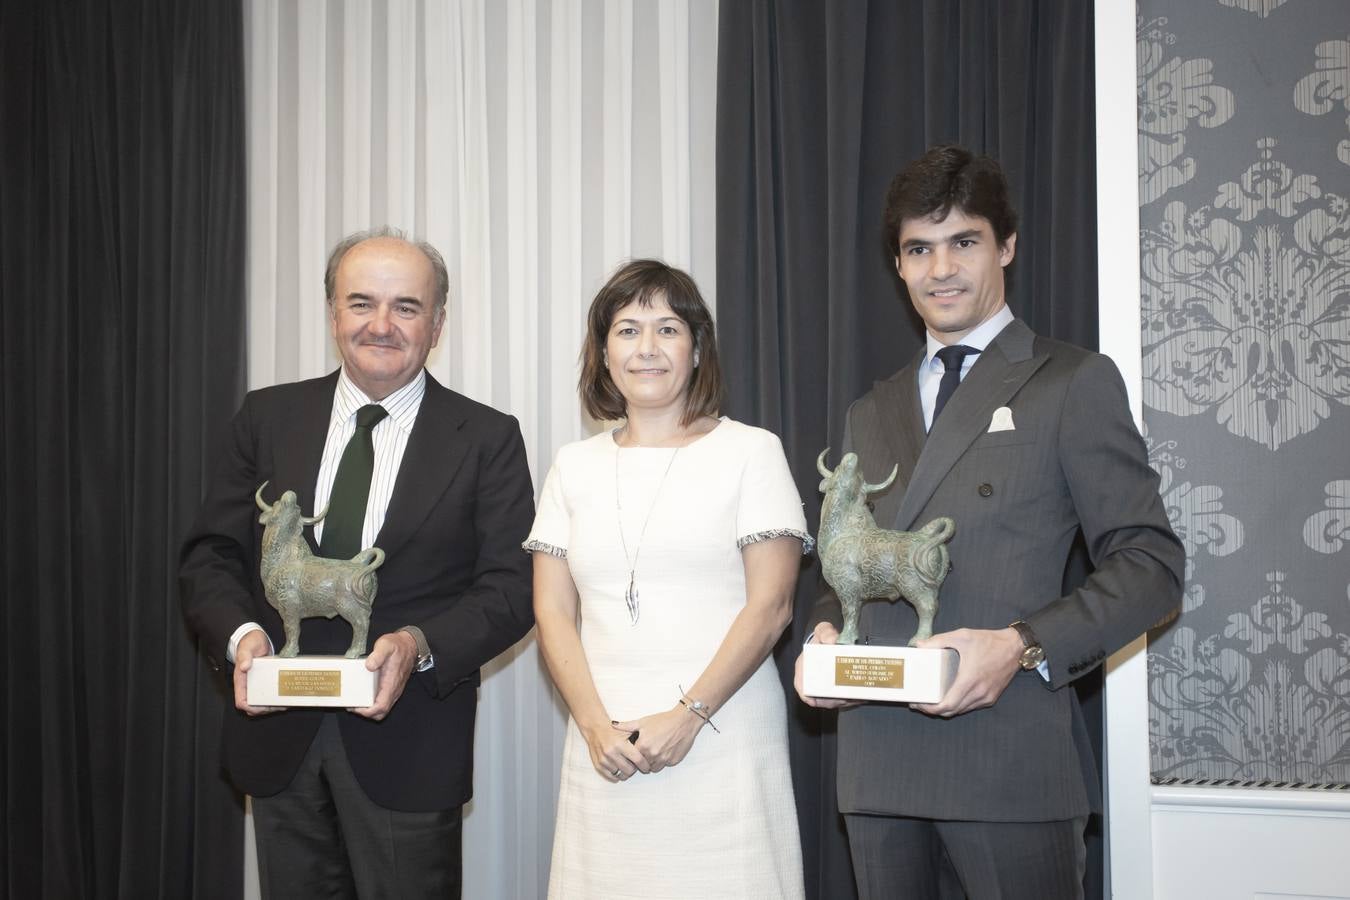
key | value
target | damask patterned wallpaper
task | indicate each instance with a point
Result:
(1244, 139)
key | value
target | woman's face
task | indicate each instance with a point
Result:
(650, 354)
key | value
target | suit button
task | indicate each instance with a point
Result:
(986, 490)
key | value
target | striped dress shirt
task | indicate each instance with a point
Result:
(390, 438)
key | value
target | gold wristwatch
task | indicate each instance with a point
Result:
(1033, 654)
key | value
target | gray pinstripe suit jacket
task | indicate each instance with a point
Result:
(1073, 460)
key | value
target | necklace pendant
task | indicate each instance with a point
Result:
(630, 597)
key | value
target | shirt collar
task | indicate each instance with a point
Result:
(402, 404)
(979, 338)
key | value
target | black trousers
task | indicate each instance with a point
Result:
(323, 837)
(926, 859)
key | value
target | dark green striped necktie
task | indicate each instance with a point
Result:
(351, 488)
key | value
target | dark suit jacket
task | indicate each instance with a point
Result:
(461, 505)
(1074, 460)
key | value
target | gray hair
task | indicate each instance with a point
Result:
(386, 231)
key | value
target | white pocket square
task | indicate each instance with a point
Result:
(1002, 420)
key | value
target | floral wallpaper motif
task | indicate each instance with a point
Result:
(1328, 83)
(1262, 8)
(1328, 531)
(1265, 700)
(1174, 93)
(1245, 299)
(1247, 315)
(1195, 510)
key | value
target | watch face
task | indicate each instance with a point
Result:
(1032, 656)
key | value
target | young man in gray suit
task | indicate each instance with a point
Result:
(1023, 441)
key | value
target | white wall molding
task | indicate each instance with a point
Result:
(1129, 854)
(1252, 801)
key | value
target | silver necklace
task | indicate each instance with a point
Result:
(630, 596)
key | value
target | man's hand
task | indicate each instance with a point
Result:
(393, 656)
(254, 643)
(825, 633)
(988, 662)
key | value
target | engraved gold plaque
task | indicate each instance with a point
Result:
(869, 671)
(309, 682)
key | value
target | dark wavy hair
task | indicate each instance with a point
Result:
(643, 280)
(949, 177)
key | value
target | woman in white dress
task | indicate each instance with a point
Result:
(665, 555)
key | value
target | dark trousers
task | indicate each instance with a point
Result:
(323, 837)
(919, 859)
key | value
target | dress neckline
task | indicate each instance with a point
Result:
(721, 420)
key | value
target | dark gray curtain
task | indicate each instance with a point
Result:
(819, 104)
(121, 326)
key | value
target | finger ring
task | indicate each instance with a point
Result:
(615, 773)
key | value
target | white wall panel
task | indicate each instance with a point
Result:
(1221, 843)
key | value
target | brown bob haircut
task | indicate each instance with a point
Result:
(644, 280)
(949, 177)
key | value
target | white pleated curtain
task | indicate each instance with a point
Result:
(536, 144)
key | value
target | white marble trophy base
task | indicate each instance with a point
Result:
(871, 672)
(310, 681)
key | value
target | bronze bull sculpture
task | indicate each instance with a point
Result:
(300, 585)
(864, 562)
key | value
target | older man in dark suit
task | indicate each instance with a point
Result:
(367, 803)
(1024, 441)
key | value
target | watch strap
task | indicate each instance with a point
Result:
(425, 660)
(1025, 633)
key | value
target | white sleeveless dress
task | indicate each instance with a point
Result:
(723, 822)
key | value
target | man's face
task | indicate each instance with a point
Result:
(954, 271)
(384, 314)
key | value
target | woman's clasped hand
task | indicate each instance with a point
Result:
(665, 739)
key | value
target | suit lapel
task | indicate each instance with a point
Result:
(902, 417)
(299, 453)
(997, 375)
(436, 450)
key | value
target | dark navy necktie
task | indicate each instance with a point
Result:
(952, 359)
(351, 488)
